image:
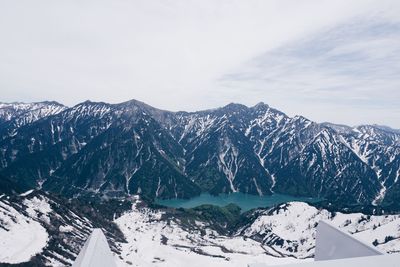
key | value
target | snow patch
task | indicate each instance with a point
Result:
(38, 207)
(21, 237)
(155, 242)
(26, 193)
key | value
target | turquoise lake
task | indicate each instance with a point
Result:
(244, 201)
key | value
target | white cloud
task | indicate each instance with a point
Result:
(170, 54)
(347, 74)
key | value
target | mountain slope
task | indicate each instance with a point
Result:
(47, 231)
(15, 115)
(116, 150)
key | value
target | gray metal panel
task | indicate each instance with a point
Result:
(95, 252)
(332, 243)
(388, 260)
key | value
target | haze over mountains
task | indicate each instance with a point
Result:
(116, 150)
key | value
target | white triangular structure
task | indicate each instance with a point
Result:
(332, 244)
(95, 252)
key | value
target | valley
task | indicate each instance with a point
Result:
(144, 235)
(246, 202)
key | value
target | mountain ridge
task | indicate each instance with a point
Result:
(256, 150)
(139, 102)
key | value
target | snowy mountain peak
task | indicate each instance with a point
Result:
(234, 108)
(89, 108)
(260, 105)
(10, 111)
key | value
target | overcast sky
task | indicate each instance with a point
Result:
(335, 61)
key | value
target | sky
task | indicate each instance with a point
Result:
(336, 61)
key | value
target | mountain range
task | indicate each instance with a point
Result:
(118, 150)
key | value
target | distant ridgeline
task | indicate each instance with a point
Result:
(116, 150)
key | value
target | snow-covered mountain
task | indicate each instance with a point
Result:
(378, 147)
(15, 115)
(52, 231)
(116, 150)
(30, 111)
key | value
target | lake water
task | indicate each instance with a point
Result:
(244, 201)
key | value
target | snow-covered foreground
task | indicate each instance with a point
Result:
(21, 237)
(33, 224)
(154, 242)
(289, 230)
(278, 236)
